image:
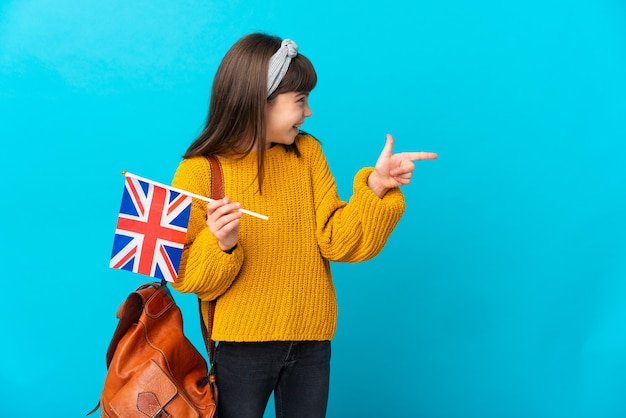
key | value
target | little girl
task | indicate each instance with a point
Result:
(276, 308)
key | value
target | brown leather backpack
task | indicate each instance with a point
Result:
(153, 369)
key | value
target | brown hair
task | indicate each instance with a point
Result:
(236, 117)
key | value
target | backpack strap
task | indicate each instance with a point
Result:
(217, 192)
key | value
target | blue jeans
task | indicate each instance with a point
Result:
(297, 372)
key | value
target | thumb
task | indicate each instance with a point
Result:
(388, 149)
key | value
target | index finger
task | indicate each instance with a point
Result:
(215, 204)
(422, 155)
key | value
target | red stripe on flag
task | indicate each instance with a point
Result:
(177, 202)
(135, 193)
(170, 268)
(127, 257)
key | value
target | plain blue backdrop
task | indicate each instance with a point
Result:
(501, 294)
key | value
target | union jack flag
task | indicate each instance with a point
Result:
(151, 229)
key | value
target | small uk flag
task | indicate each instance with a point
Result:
(151, 229)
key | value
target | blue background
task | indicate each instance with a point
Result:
(501, 293)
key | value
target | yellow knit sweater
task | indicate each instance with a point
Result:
(277, 285)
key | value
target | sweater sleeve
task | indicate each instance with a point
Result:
(357, 230)
(204, 269)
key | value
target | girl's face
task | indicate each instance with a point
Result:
(284, 115)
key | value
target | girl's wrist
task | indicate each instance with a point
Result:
(228, 249)
(376, 185)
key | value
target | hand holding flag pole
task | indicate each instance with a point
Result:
(197, 196)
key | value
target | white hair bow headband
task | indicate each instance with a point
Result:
(279, 63)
